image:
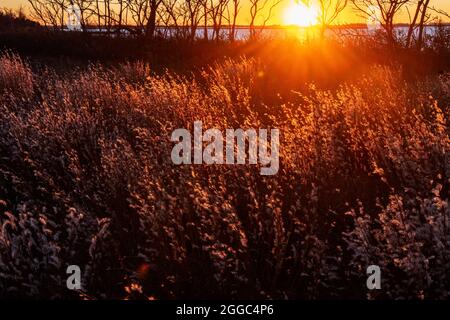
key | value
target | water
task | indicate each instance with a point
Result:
(303, 33)
(300, 33)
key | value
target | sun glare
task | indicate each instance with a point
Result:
(299, 14)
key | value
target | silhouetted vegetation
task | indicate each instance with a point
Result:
(86, 176)
(12, 21)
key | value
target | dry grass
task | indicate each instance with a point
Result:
(86, 178)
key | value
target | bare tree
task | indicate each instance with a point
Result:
(329, 11)
(423, 17)
(205, 19)
(168, 16)
(139, 12)
(192, 10)
(144, 14)
(217, 11)
(151, 22)
(97, 13)
(388, 10)
(256, 9)
(413, 22)
(170, 13)
(49, 12)
(235, 7)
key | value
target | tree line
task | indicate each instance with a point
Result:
(185, 18)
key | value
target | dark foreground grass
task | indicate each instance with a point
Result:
(86, 178)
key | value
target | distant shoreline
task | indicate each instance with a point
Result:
(270, 27)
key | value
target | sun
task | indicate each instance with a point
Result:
(299, 14)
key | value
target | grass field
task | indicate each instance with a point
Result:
(86, 176)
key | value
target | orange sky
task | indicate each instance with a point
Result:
(349, 16)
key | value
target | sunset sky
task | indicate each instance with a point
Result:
(279, 15)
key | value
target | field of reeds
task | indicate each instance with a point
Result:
(86, 178)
